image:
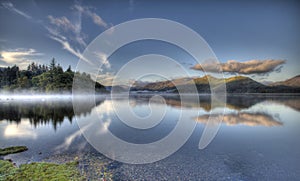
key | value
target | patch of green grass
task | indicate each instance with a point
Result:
(40, 171)
(13, 149)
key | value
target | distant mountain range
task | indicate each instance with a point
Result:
(237, 84)
(292, 82)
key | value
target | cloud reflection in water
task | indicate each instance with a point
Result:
(247, 119)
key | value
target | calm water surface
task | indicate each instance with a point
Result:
(258, 138)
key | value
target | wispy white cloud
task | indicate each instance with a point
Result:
(55, 33)
(12, 8)
(80, 36)
(66, 45)
(87, 11)
(61, 29)
(97, 19)
(64, 25)
(69, 32)
(103, 59)
(19, 56)
(62, 22)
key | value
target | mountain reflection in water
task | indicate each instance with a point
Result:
(55, 111)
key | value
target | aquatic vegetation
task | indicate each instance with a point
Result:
(13, 149)
(40, 171)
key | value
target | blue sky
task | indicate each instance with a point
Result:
(235, 30)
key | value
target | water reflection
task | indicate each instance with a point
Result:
(248, 119)
(234, 102)
(55, 111)
(51, 111)
(266, 126)
(23, 129)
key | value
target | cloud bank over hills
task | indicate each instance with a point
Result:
(248, 67)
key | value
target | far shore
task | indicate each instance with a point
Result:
(69, 96)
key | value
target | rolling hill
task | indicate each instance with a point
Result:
(236, 84)
(292, 82)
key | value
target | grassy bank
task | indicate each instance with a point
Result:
(39, 171)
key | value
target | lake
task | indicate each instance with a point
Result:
(257, 140)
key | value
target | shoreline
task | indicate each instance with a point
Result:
(57, 95)
(62, 166)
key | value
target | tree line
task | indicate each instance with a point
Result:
(41, 78)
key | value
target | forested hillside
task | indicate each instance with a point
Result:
(41, 78)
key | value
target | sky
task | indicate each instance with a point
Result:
(259, 39)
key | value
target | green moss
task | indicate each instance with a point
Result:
(6, 169)
(13, 149)
(39, 171)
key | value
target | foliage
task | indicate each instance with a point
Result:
(42, 78)
(40, 171)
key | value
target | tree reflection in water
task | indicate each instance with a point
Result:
(42, 112)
